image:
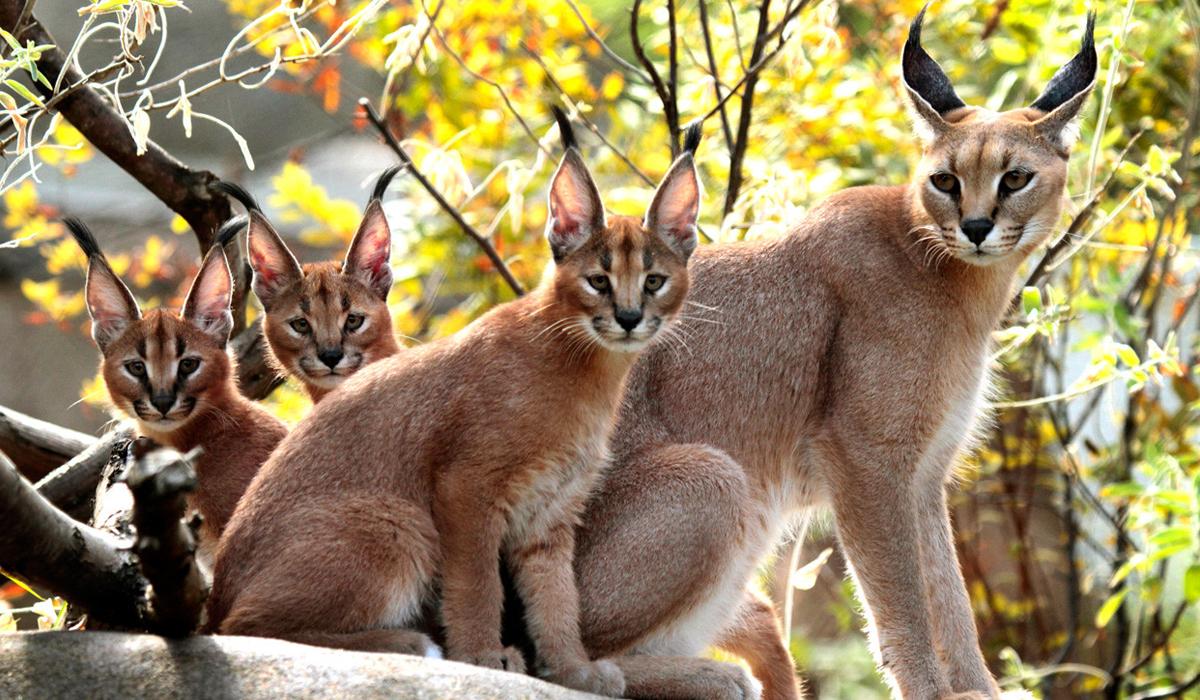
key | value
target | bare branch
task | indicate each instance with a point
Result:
(43, 547)
(72, 487)
(663, 92)
(36, 446)
(716, 76)
(467, 228)
(629, 67)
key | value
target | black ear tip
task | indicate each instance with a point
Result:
(230, 229)
(565, 131)
(1089, 32)
(385, 179)
(692, 135)
(83, 236)
(239, 193)
(914, 29)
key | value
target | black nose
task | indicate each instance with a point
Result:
(977, 229)
(628, 318)
(163, 402)
(331, 357)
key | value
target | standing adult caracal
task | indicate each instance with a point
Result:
(323, 321)
(424, 468)
(844, 364)
(172, 375)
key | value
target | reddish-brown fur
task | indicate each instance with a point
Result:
(426, 467)
(148, 356)
(843, 365)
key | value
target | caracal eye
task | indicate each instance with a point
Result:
(655, 282)
(944, 181)
(354, 322)
(136, 367)
(1014, 180)
(300, 325)
(598, 282)
(189, 364)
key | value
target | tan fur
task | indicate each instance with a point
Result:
(426, 467)
(321, 308)
(144, 356)
(840, 366)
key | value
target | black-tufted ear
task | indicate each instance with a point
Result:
(1068, 90)
(929, 90)
(576, 211)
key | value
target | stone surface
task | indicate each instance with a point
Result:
(101, 665)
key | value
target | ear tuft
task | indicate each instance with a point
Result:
(930, 93)
(385, 179)
(109, 302)
(239, 193)
(676, 206)
(230, 229)
(1067, 92)
(370, 253)
(565, 131)
(692, 134)
(207, 303)
(576, 211)
(275, 268)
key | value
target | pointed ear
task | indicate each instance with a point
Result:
(676, 205)
(930, 94)
(370, 253)
(207, 303)
(576, 211)
(109, 302)
(1068, 90)
(275, 268)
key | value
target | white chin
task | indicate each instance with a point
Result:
(325, 381)
(624, 344)
(985, 259)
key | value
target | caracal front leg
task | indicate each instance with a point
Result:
(757, 637)
(472, 595)
(954, 629)
(545, 579)
(875, 509)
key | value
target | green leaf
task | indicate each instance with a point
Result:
(1031, 299)
(24, 92)
(1128, 355)
(1110, 607)
(1191, 584)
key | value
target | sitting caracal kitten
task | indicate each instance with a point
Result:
(171, 374)
(323, 321)
(426, 467)
(843, 365)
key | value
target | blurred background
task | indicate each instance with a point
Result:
(1078, 517)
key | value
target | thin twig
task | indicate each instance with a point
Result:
(450, 209)
(608, 51)
(712, 68)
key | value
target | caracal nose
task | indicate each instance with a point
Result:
(163, 402)
(976, 230)
(330, 357)
(628, 318)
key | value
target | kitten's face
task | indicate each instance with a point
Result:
(162, 371)
(161, 368)
(624, 278)
(626, 283)
(993, 189)
(992, 183)
(325, 321)
(326, 326)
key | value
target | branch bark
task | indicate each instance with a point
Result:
(38, 447)
(43, 547)
(72, 487)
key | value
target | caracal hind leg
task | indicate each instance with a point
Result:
(875, 509)
(954, 631)
(657, 539)
(685, 678)
(358, 571)
(755, 636)
(545, 581)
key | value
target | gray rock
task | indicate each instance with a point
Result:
(100, 665)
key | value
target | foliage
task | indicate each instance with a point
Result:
(1080, 525)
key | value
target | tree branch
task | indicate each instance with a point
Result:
(41, 546)
(165, 545)
(664, 94)
(38, 447)
(450, 209)
(72, 487)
